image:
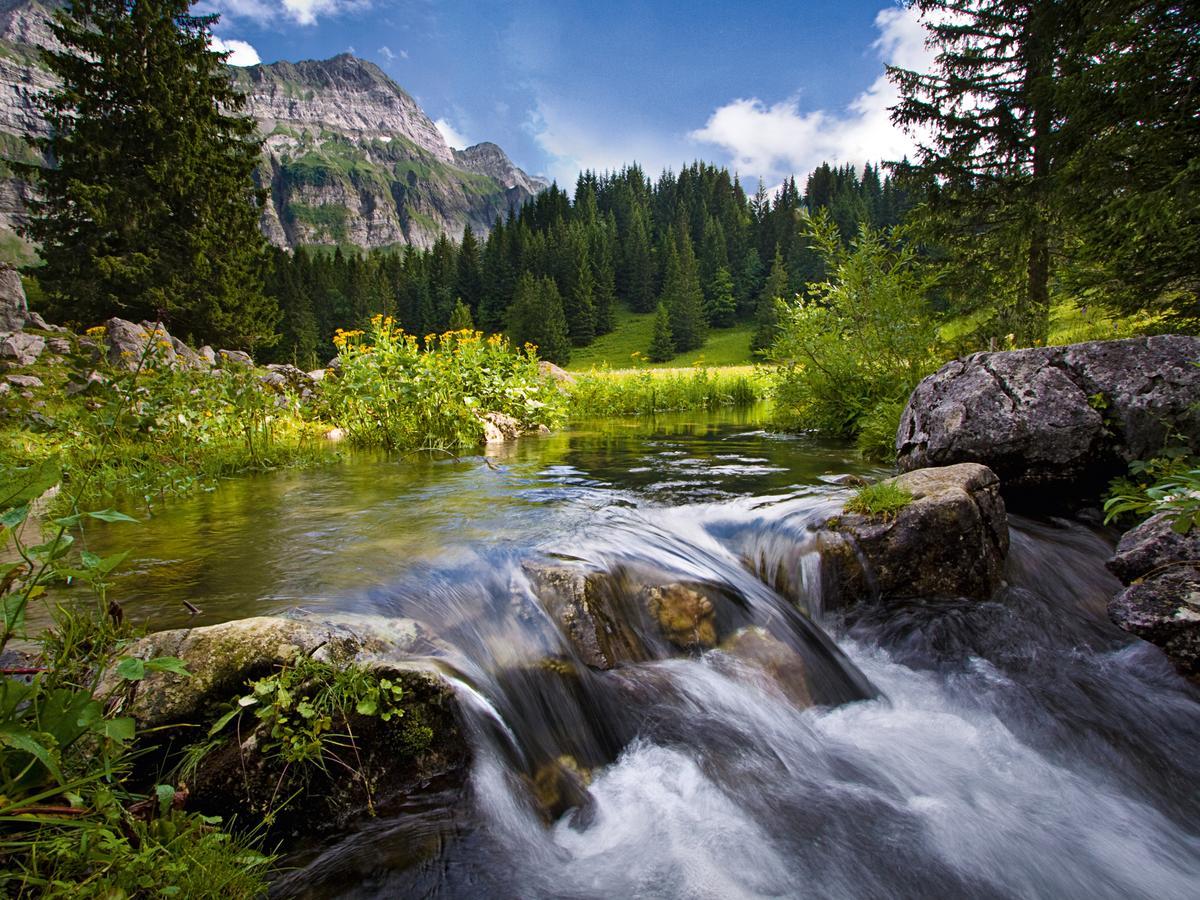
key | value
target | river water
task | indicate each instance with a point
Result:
(1023, 747)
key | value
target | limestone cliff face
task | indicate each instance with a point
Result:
(350, 157)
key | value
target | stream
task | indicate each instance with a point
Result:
(1023, 747)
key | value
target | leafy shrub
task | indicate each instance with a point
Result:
(853, 349)
(882, 500)
(1168, 485)
(401, 393)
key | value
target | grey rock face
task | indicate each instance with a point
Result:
(24, 381)
(20, 348)
(14, 311)
(1165, 610)
(130, 345)
(235, 358)
(950, 541)
(1152, 545)
(1057, 418)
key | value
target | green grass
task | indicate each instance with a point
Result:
(1069, 324)
(724, 347)
(879, 501)
(648, 391)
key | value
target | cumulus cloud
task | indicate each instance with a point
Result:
(451, 135)
(240, 52)
(775, 140)
(392, 55)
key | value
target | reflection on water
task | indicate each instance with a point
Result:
(318, 538)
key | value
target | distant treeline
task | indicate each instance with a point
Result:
(553, 274)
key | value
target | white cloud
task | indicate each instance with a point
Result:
(302, 12)
(775, 140)
(392, 55)
(240, 52)
(451, 135)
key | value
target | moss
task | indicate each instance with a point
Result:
(883, 500)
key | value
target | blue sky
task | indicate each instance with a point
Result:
(769, 88)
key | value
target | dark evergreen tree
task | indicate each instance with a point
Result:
(682, 294)
(662, 345)
(460, 317)
(720, 306)
(151, 209)
(536, 317)
(766, 315)
(469, 284)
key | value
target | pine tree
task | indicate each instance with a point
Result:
(993, 110)
(469, 283)
(682, 294)
(766, 315)
(662, 346)
(749, 283)
(639, 264)
(536, 317)
(721, 306)
(151, 209)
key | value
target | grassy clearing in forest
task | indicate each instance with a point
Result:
(617, 349)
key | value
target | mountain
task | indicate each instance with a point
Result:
(350, 157)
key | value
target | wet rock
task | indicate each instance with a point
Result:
(1056, 421)
(950, 541)
(1165, 610)
(685, 616)
(784, 666)
(243, 775)
(24, 381)
(587, 609)
(559, 786)
(559, 374)
(14, 310)
(20, 348)
(1153, 545)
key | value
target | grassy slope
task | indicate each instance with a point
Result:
(724, 347)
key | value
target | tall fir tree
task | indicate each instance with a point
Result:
(536, 317)
(766, 315)
(682, 294)
(151, 209)
(662, 344)
(720, 306)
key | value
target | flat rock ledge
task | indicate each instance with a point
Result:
(1056, 423)
(392, 760)
(1161, 603)
(950, 542)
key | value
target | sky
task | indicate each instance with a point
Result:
(769, 89)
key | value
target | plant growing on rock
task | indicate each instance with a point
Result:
(1174, 490)
(882, 500)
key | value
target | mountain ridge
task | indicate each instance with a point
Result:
(349, 156)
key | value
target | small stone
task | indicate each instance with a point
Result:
(59, 345)
(23, 349)
(335, 434)
(685, 616)
(25, 381)
(235, 358)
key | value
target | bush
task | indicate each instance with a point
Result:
(397, 392)
(853, 349)
(1168, 485)
(601, 393)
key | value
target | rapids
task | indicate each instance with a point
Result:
(1023, 747)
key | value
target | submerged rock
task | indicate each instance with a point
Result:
(785, 667)
(950, 541)
(1056, 420)
(684, 616)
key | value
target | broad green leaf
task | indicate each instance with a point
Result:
(131, 668)
(224, 720)
(25, 485)
(33, 743)
(122, 729)
(172, 664)
(14, 516)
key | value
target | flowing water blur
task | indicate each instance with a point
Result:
(1018, 748)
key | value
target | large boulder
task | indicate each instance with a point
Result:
(130, 346)
(1056, 420)
(242, 774)
(1161, 603)
(950, 541)
(14, 311)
